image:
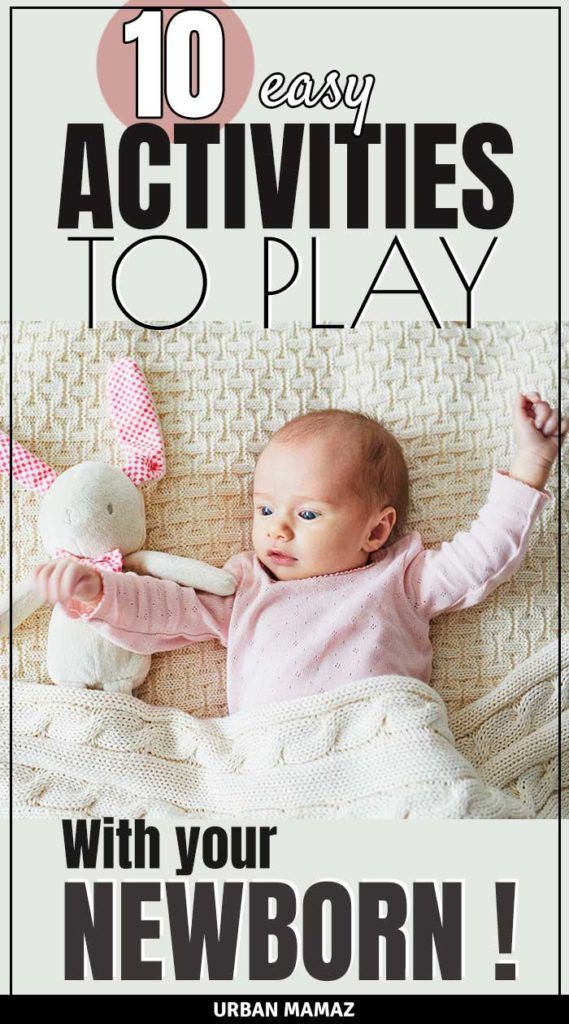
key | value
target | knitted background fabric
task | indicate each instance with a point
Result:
(221, 389)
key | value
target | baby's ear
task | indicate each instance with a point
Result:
(382, 530)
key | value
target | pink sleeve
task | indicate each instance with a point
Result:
(144, 614)
(464, 571)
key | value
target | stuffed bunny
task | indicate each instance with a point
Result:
(95, 513)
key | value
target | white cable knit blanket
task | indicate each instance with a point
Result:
(377, 748)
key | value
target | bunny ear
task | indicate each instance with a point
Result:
(27, 469)
(134, 416)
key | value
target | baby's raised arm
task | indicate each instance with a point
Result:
(139, 613)
(462, 572)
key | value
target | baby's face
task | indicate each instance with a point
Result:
(309, 518)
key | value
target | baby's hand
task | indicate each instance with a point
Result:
(64, 579)
(538, 432)
(537, 429)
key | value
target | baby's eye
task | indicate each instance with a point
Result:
(307, 514)
(265, 510)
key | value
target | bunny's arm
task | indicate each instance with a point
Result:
(25, 601)
(186, 571)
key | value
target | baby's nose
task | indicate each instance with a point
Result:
(279, 529)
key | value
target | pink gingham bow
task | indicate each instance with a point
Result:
(111, 561)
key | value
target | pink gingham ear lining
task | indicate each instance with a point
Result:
(138, 427)
(27, 469)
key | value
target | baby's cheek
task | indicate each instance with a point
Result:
(329, 545)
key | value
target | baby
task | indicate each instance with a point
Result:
(332, 591)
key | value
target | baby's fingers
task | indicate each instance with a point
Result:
(66, 580)
(542, 412)
(42, 577)
(553, 427)
(533, 396)
(54, 581)
(35, 579)
(551, 423)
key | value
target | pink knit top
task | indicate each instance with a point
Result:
(288, 638)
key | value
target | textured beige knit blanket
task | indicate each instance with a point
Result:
(378, 748)
(221, 389)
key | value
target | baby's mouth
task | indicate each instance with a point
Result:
(279, 557)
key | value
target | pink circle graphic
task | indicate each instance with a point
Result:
(116, 66)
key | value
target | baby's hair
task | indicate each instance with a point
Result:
(384, 476)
